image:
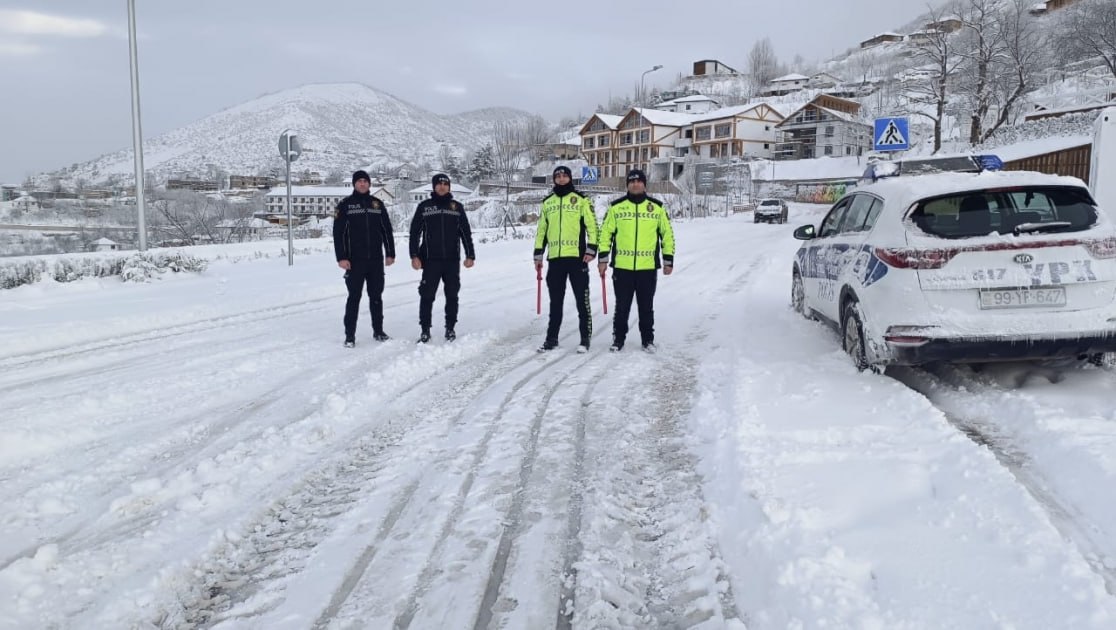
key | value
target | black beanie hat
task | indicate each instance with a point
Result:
(636, 174)
(439, 178)
(361, 175)
(562, 169)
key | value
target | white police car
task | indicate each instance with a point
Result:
(962, 267)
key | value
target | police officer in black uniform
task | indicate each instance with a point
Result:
(364, 244)
(439, 230)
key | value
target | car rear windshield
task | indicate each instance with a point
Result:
(769, 202)
(1017, 210)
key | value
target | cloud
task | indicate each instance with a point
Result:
(22, 22)
(18, 49)
(452, 90)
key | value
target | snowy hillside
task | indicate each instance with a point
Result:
(340, 125)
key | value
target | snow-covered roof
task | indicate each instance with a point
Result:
(693, 98)
(841, 115)
(666, 119)
(1041, 146)
(794, 76)
(320, 191)
(104, 241)
(610, 120)
(729, 112)
(312, 191)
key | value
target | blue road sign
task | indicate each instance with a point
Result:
(590, 174)
(891, 134)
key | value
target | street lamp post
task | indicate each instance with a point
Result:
(642, 104)
(137, 132)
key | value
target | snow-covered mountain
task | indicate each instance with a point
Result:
(341, 126)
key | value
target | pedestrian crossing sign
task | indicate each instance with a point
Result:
(892, 134)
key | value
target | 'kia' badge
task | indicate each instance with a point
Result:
(1023, 259)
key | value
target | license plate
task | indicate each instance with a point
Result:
(1023, 298)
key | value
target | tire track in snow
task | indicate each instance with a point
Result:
(651, 587)
(185, 455)
(513, 520)
(1085, 537)
(572, 548)
(649, 559)
(430, 567)
(282, 540)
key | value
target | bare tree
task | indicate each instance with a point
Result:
(507, 151)
(763, 64)
(982, 48)
(1089, 30)
(536, 135)
(939, 61)
(449, 162)
(1022, 61)
(192, 217)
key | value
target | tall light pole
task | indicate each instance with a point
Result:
(137, 132)
(642, 104)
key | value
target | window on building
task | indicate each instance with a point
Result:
(848, 150)
(722, 130)
(767, 127)
(766, 145)
(603, 141)
(688, 134)
(687, 107)
(715, 150)
(829, 131)
(829, 149)
(643, 153)
(626, 138)
(736, 148)
(629, 156)
(589, 143)
(645, 135)
(704, 133)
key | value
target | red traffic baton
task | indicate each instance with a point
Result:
(604, 293)
(538, 292)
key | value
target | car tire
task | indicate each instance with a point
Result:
(798, 294)
(852, 337)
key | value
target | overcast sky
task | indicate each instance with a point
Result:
(65, 77)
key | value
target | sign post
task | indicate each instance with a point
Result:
(289, 149)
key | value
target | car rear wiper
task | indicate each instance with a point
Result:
(1050, 226)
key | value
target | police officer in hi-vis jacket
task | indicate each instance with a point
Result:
(636, 231)
(567, 232)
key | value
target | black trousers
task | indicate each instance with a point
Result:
(363, 273)
(448, 272)
(558, 271)
(641, 285)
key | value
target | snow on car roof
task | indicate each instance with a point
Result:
(908, 190)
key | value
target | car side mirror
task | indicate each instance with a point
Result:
(805, 233)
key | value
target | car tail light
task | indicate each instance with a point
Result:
(906, 336)
(905, 258)
(1103, 248)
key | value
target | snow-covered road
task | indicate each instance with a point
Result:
(201, 451)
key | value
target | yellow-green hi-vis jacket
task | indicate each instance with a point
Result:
(567, 227)
(636, 234)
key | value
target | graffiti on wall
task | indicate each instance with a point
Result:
(821, 193)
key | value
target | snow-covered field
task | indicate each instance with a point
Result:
(201, 451)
